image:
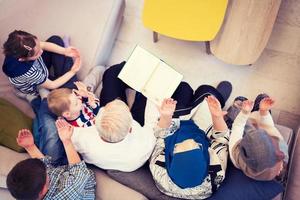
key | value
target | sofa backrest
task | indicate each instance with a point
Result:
(293, 183)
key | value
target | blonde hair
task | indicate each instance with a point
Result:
(58, 100)
(114, 121)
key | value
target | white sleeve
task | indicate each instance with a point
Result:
(237, 132)
(264, 120)
(151, 114)
(77, 140)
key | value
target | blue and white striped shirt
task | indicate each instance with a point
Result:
(27, 83)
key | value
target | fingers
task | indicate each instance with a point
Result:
(268, 100)
(24, 132)
(61, 123)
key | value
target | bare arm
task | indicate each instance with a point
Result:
(166, 111)
(65, 132)
(48, 46)
(69, 51)
(48, 84)
(216, 114)
(25, 140)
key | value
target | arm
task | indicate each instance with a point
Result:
(25, 140)
(238, 127)
(264, 116)
(65, 132)
(69, 51)
(48, 84)
(166, 111)
(216, 113)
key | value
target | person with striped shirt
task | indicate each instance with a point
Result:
(28, 65)
(28, 60)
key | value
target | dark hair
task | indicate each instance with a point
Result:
(27, 179)
(14, 46)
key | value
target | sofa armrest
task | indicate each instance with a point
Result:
(293, 181)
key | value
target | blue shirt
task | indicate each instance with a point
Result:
(26, 76)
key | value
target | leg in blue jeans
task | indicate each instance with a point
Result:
(49, 142)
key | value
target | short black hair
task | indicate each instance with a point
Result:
(14, 45)
(27, 179)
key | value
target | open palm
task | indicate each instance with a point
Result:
(25, 138)
(247, 106)
(65, 130)
(214, 106)
(266, 104)
(167, 107)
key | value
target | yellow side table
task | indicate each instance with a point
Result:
(194, 20)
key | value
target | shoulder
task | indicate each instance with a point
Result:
(13, 68)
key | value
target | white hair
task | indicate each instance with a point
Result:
(114, 121)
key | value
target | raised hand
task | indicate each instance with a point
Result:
(25, 138)
(81, 89)
(167, 108)
(266, 104)
(92, 100)
(247, 106)
(65, 130)
(214, 106)
(72, 52)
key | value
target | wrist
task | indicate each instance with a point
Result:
(263, 112)
(67, 142)
(165, 117)
(246, 112)
(30, 148)
(64, 51)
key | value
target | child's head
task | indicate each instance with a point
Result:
(64, 102)
(22, 45)
(261, 152)
(114, 121)
(28, 179)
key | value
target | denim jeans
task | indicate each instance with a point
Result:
(45, 131)
(47, 136)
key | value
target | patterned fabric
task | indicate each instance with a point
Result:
(218, 152)
(70, 182)
(87, 115)
(27, 83)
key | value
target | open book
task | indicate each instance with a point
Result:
(149, 75)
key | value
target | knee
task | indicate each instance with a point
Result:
(56, 40)
(113, 71)
(184, 86)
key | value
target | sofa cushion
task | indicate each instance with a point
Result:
(235, 187)
(8, 159)
(293, 183)
(12, 120)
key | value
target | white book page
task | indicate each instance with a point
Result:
(162, 83)
(138, 69)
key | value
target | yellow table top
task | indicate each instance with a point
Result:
(195, 20)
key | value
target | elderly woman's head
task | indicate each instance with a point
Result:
(114, 121)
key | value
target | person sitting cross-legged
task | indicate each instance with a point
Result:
(36, 178)
(190, 157)
(255, 145)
